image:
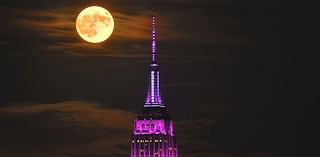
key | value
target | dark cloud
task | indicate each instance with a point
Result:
(235, 73)
(188, 84)
(56, 27)
(74, 128)
(51, 25)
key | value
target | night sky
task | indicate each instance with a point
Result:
(234, 77)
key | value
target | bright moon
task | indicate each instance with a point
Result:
(94, 24)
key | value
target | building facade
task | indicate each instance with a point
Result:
(153, 134)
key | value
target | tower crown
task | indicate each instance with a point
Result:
(153, 96)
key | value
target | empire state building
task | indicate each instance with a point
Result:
(153, 134)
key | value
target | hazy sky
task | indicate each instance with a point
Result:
(231, 74)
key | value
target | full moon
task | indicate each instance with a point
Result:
(95, 24)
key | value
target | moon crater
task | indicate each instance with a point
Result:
(95, 24)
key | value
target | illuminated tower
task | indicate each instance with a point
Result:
(153, 129)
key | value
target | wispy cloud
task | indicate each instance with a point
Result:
(4, 42)
(50, 23)
(85, 113)
(74, 128)
(57, 28)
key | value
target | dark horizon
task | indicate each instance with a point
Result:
(233, 77)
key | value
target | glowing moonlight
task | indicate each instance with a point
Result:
(94, 24)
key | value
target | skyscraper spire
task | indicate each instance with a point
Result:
(153, 131)
(154, 46)
(154, 97)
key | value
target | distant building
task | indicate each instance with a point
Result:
(153, 134)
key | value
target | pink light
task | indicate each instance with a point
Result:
(153, 137)
(153, 96)
(144, 127)
(153, 39)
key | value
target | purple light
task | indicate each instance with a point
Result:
(142, 127)
(158, 87)
(153, 39)
(153, 137)
(153, 97)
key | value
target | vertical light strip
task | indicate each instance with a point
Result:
(153, 39)
(152, 87)
(158, 88)
(153, 96)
